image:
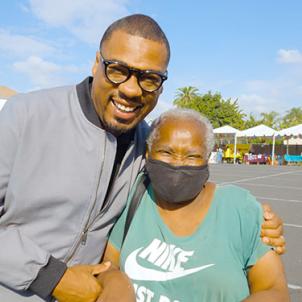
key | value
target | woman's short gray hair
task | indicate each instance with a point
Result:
(183, 114)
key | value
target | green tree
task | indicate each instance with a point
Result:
(219, 111)
(251, 121)
(271, 119)
(185, 95)
(292, 117)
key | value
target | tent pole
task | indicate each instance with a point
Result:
(287, 139)
(235, 148)
(273, 150)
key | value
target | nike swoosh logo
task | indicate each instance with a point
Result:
(137, 272)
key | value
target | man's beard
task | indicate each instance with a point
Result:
(117, 130)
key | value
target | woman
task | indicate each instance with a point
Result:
(200, 242)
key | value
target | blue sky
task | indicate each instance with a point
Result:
(250, 50)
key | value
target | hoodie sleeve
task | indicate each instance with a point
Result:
(23, 264)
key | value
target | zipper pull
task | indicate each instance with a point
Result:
(84, 237)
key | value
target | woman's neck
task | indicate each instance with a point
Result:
(183, 219)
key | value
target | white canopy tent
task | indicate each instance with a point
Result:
(292, 131)
(261, 131)
(225, 130)
(228, 130)
(295, 131)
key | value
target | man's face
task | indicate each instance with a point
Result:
(180, 142)
(122, 106)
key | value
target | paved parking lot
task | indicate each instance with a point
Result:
(281, 187)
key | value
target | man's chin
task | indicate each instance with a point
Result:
(119, 127)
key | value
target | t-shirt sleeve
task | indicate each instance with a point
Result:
(253, 247)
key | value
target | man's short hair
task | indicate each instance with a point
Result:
(138, 25)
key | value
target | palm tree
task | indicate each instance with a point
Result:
(293, 117)
(185, 95)
(270, 119)
(251, 121)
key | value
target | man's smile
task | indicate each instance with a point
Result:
(125, 110)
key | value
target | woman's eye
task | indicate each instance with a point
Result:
(195, 156)
(164, 152)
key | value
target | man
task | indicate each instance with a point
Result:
(68, 158)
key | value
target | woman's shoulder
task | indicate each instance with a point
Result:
(230, 188)
(236, 197)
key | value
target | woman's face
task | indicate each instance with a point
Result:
(180, 143)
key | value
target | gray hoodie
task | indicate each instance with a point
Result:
(55, 167)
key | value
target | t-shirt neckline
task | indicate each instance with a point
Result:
(202, 228)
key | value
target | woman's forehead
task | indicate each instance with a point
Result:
(174, 129)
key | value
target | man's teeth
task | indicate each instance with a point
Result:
(124, 108)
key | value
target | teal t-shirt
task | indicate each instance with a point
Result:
(209, 265)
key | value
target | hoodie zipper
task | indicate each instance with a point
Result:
(109, 203)
(83, 237)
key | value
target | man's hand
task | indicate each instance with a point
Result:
(272, 230)
(79, 283)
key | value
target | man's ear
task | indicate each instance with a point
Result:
(96, 63)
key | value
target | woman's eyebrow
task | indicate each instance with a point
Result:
(164, 147)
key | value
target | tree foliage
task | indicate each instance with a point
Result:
(227, 112)
(251, 121)
(219, 111)
(292, 117)
(275, 120)
(270, 119)
(185, 95)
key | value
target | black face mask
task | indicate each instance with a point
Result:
(176, 184)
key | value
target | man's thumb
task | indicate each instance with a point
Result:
(100, 268)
